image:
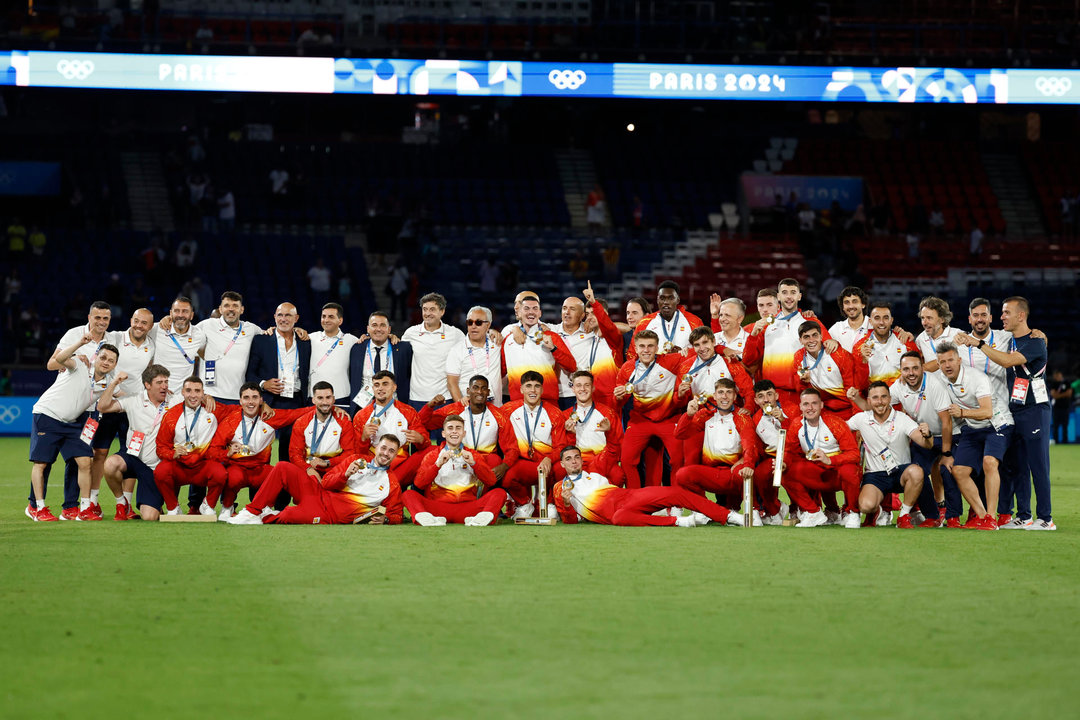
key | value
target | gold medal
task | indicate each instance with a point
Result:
(768, 408)
(574, 417)
(770, 319)
(629, 388)
(668, 347)
(568, 484)
(703, 398)
(810, 456)
(189, 446)
(363, 464)
(246, 450)
(375, 421)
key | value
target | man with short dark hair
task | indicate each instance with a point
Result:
(386, 416)
(177, 345)
(488, 433)
(377, 352)
(61, 425)
(583, 495)
(228, 345)
(457, 486)
(595, 428)
(531, 346)
(330, 349)
(431, 343)
(535, 422)
(671, 322)
(877, 355)
(832, 373)
(852, 302)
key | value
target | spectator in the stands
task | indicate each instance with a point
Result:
(344, 284)
(1062, 395)
(37, 241)
(937, 222)
(279, 181)
(638, 215)
(12, 287)
(319, 283)
(16, 240)
(976, 245)
(596, 210)
(398, 289)
(856, 224)
(226, 208)
(807, 227)
(186, 252)
(912, 240)
(196, 156)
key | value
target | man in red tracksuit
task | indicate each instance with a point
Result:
(350, 492)
(595, 428)
(651, 381)
(583, 495)
(385, 416)
(487, 430)
(730, 445)
(832, 373)
(456, 484)
(321, 440)
(773, 415)
(821, 454)
(242, 444)
(538, 433)
(182, 443)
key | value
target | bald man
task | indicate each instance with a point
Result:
(280, 362)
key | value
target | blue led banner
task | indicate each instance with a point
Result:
(379, 76)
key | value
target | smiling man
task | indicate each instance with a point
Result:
(431, 343)
(280, 365)
(374, 353)
(330, 349)
(671, 322)
(177, 345)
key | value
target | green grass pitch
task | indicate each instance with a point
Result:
(177, 621)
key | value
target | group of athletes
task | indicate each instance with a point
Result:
(624, 423)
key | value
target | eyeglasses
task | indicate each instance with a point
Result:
(477, 322)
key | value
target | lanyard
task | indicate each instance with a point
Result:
(296, 357)
(377, 415)
(922, 395)
(337, 341)
(643, 375)
(806, 434)
(157, 418)
(191, 360)
(487, 354)
(702, 364)
(592, 353)
(316, 440)
(788, 316)
(931, 340)
(892, 427)
(245, 434)
(971, 354)
(817, 361)
(475, 432)
(669, 335)
(587, 415)
(233, 341)
(529, 434)
(189, 428)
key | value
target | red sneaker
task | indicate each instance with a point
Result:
(87, 515)
(972, 521)
(953, 523)
(43, 515)
(930, 523)
(904, 523)
(1004, 519)
(30, 511)
(987, 522)
(941, 514)
(70, 514)
(121, 511)
(131, 514)
(96, 509)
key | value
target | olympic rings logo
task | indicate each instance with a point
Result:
(75, 69)
(567, 79)
(9, 414)
(1057, 86)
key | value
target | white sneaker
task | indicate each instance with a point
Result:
(832, 517)
(816, 519)
(524, 511)
(205, 509)
(480, 519)
(174, 511)
(672, 511)
(852, 521)
(1042, 525)
(687, 521)
(755, 518)
(1017, 524)
(734, 519)
(553, 512)
(699, 518)
(245, 517)
(426, 519)
(777, 519)
(226, 513)
(884, 518)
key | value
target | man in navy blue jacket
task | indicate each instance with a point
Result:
(280, 364)
(374, 353)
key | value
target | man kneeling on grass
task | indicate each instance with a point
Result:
(453, 482)
(350, 492)
(589, 496)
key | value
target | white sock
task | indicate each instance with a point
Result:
(93, 497)
(904, 510)
(40, 503)
(84, 504)
(129, 497)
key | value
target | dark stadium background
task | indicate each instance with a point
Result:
(444, 184)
